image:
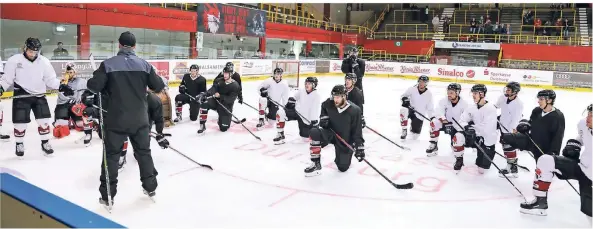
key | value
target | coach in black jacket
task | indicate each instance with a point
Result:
(354, 65)
(124, 79)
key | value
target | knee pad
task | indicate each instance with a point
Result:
(342, 168)
(546, 163)
(263, 103)
(315, 134)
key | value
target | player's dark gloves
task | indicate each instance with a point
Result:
(324, 122)
(160, 138)
(448, 128)
(523, 127)
(240, 99)
(359, 154)
(182, 89)
(406, 102)
(572, 150)
(263, 92)
(291, 103)
(67, 90)
(470, 136)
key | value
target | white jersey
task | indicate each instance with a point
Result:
(420, 102)
(78, 85)
(511, 112)
(33, 77)
(1, 67)
(278, 92)
(446, 110)
(584, 136)
(484, 121)
(308, 105)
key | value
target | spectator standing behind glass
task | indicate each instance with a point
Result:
(239, 53)
(566, 28)
(425, 14)
(60, 50)
(481, 25)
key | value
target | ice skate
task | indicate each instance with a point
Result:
(122, 162)
(46, 147)
(150, 195)
(20, 149)
(537, 206)
(260, 125)
(202, 129)
(404, 134)
(433, 149)
(280, 138)
(103, 202)
(314, 169)
(511, 171)
(458, 164)
(4, 137)
(177, 119)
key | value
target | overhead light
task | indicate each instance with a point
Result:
(60, 28)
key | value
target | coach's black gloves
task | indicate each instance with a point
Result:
(240, 99)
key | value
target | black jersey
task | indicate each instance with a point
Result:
(347, 122)
(193, 86)
(355, 96)
(228, 91)
(155, 112)
(548, 130)
(237, 78)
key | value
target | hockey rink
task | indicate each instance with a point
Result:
(258, 184)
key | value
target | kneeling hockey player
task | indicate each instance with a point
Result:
(448, 109)
(419, 98)
(308, 104)
(224, 91)
(274, 89)
(511, 112)
(192, 84)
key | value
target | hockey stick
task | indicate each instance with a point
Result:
(227, 110)
(153, 135)
(235, 121)
(398, 186)
(421, 115)
(389, 140)
(283, 107)
(542, 152)
(492, 162)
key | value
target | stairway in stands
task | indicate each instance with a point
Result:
(440, 35)
(583, 27)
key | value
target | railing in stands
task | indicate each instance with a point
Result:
(541, 11)
(380, 19)
(466, 20)
(394, 27)
(495, 38)
(546, 65)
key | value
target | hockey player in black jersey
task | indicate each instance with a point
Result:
(192, 84)
(343, 117)
(224, 91)
(545, 127)
(236, 77)
(354, 94)
(353, 64)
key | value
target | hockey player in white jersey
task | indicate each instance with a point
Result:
(3, 136)
(448, 109)
(275, 89)
(511, 112)
(31, 74)
(419, 98)
(308, 104)
(481, 132)
(574, 164)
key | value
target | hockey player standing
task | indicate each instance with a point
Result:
(354, 94)
(511, 112)
(482, 132)
(2, 136)
(192, 84)
(31, 74)
(307, 103)
(448, 109)
(353, 64)
(124, 79)
(345, 119)
(274, 89)
(574, 164)
(236, 77)
(224, 90)
(419, 98)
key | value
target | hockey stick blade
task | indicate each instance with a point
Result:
(404, 186)
(240, 121)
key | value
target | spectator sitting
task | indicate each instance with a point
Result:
(538, 26)
(558, 28)
(239, 53)
(481, 25)
(566, 27)
(60, 50)
(496, 28)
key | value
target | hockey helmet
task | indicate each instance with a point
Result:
(479, 88)
(339, 90)
(351, 76)
(194, 66)
(312, 80)
(33, 44)
(423, 78)
(590, 108)
(548, 94)
(354, 50)
(227, 69)
(454, 87)
(278, 71)
(230, 65)
(515, 87)
(69, 66)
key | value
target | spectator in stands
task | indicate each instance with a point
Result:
(558, 27)
(547, 29)
(538, 26)
(258, 54)
(473, 26)
(446, 23)
(566, 27)
(481, 25)
(496, 29)
(435, 23)
(271, 56)
(283, 54)
(426, 11)
(239, 53)
(60, 50)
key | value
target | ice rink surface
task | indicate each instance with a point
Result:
(258, 184)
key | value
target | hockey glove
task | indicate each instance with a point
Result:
(470, 136)
(364, 124)
(314, 123)
(160, 138)
(88, 98)
(359, 154)
(406, 102)
(67, 90)
(263, 92)
(291, 103)
(572, 150)
(1, 91)
(448, 128)
(324, 122)
(182, 89)
(355, 67)
(524, 126)
(240, 99)
(201, 98)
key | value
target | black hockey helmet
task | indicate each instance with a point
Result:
(423, 78)
(339, 90)
(480, 88)
(354, 50)
(548, 94)
(590, 108)
(227, 69)
(312, 80)
(454, 87)
(278, 71)
(351, 76)
(514, 86)
(33, 44)
(194, 66)
(230, 64)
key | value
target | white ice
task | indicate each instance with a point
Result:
(258, 184)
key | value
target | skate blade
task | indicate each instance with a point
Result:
(312, 174)
(279, 143)
(457, 171)
(48, 155)
(431, 154)
(537, 212)
(512, 175)
(5, 140)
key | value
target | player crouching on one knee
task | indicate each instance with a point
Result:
(191, 85)
(272, 91)
(224, 92)
(71, 107)
(448, 109)
(343, 117)
(416, 99)
(574, 164)
(481, 134)
(306, 103)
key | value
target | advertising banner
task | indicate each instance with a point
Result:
(226, 19)
(256, 67)
(208, 68)
(162, 68)
(322, 66)
(307, 66)
(571, 79)
(466, 45)
(83, 68)
(335, 66)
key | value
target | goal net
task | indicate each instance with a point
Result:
(291, 71)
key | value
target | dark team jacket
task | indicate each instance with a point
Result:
(347, 68)
(155, 112)
(193, 87)
(237, 78)
(547, 131)
(348, 123)
(228, 92)
(355, 96)
(124, 78)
